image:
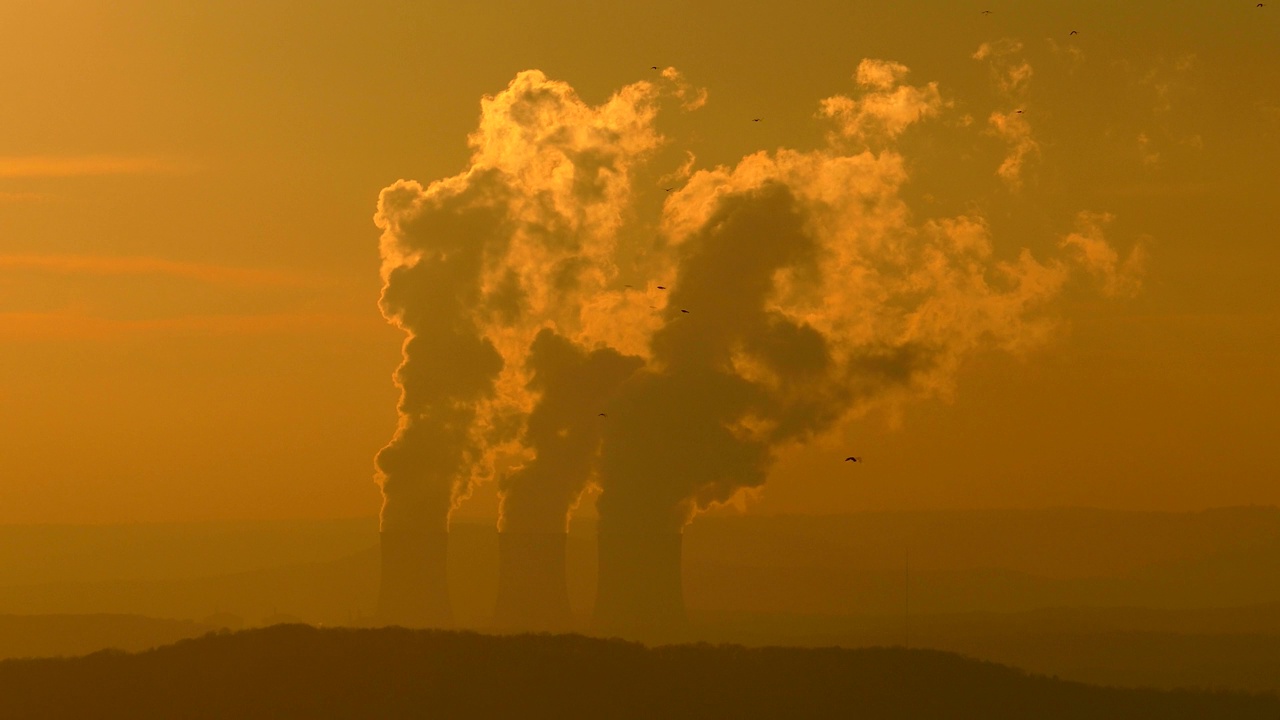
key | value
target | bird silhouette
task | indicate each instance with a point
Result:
(669, 189)
(756, 119)
(986, 12)
(654, 67)
(853, 459)
(1073, 32)
(1018, 111)
(661, 287)
(683, 310)
(602, 415)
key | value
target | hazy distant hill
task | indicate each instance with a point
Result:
(335, 591)
(70, 635)
(972, 561)
(38, 554)
(1236, 648)
(998, 560)
(1055, 543)
(1165, 599)
(298, 671)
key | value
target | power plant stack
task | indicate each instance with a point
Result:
(533, 594)
(414, 587)
(640, 590)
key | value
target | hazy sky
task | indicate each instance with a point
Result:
(189, 269)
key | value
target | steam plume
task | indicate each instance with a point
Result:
(477, 264)
(563, 430)
(799, 289)
(475, 267)
(812, 294)
(1011, 77)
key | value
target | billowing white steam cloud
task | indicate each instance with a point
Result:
(477, 264)
(1011, 77)
(800, 289)
(811, 293)
(887, 107)
(1100, 258)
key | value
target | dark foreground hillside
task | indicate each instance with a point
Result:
(300, 671)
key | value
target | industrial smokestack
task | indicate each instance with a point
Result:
(474, 267)
(640, 588)
(558, 339)
(413, 590)
(447, 372)
(564, 431)
(533, 595)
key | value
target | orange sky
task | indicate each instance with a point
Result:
(189, 270)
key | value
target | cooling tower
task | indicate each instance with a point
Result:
(414, 589)
(640, 593)
(533, 595)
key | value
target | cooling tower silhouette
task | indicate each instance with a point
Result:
(640, 591)
(533, 594)
(414, 588)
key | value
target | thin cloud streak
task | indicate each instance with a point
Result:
(105, 265)
(77, 325)
(22, 198)
(51, 166)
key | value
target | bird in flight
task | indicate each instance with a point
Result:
(661, 287)
(669, 189)
(1018, 111)
(683, 310)
(602, 415)
(851, 458)
(655, 67)
(1073, 32)
(986, 12)
(756, 119)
